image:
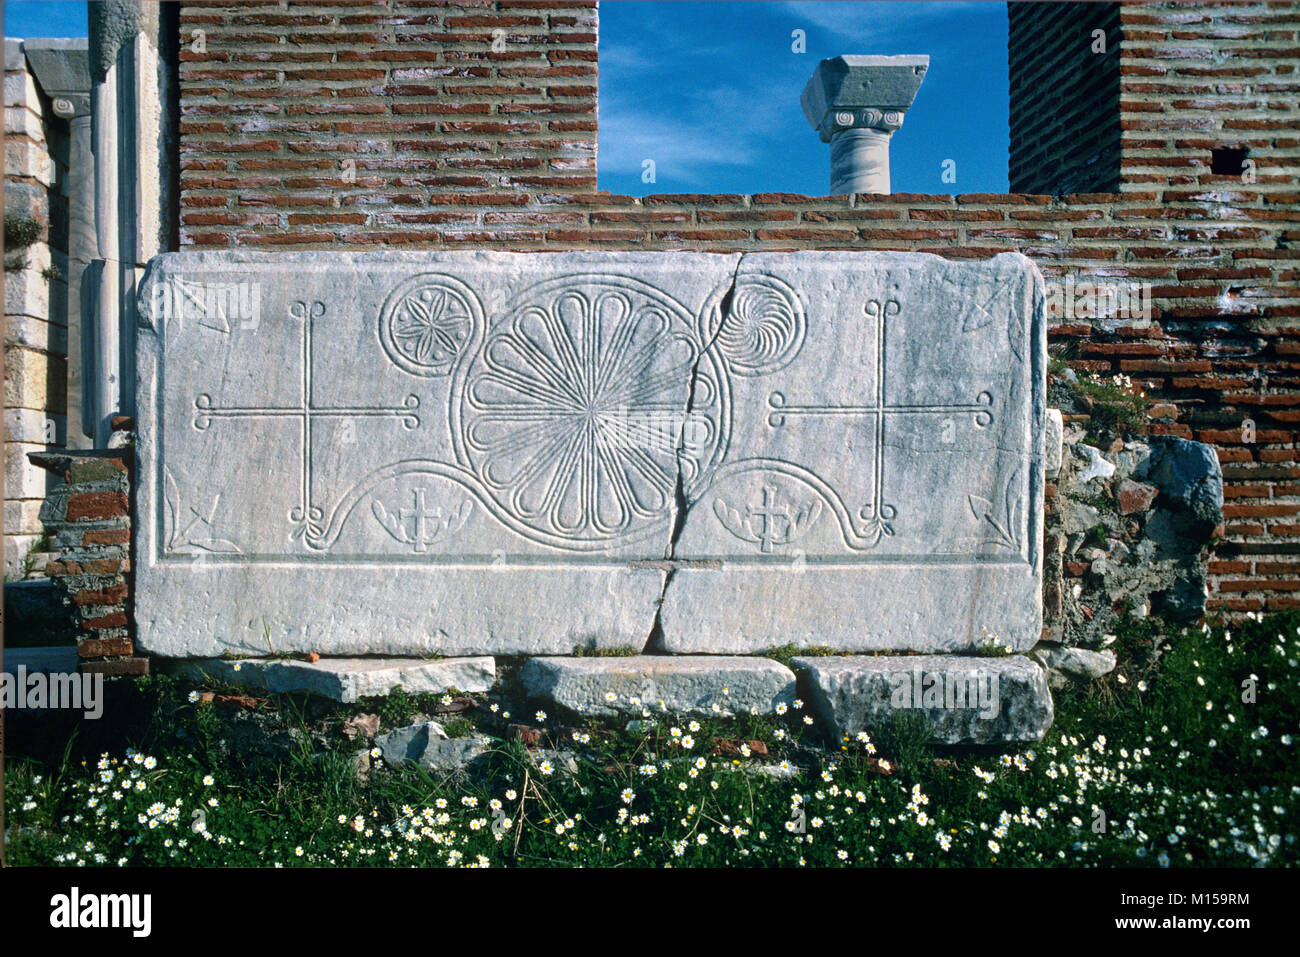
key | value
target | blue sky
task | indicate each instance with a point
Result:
(710, 90)
(45, 18)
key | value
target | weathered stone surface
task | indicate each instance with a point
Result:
(1077, 663)
(698, 685)
(427, 744)
(461, 453)
(349, 679)
(1145, 555)
(1187, 473)
(855, 84)
(1011, 698)
(1133, 498)
(1098, 466)
(886, 490)
(408, 743)
(1053, 442)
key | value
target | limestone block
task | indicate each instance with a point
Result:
(964, 699)
(711, 685)
(350, 679)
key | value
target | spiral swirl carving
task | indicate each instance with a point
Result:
(763, 329)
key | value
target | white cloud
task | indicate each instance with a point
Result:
(877, 23)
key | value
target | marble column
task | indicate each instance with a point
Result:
(856, 103)
(133, 146)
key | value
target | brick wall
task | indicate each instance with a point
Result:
(35, 293)
(345, 122)
(1065, 88)
(459, 145)
(1196, 76)
(88, 517)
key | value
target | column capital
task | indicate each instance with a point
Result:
(61, 67)
(862, 92)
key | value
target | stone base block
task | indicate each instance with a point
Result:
(347, 679)
(965, 699)
(704, 685)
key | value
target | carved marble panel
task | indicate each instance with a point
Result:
(477, 453)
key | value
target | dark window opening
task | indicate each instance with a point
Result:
(1227, 161)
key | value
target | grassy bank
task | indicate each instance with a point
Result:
(1185, 756)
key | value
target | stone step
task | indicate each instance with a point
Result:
(966, 700)
(345, 679)
(716, 685)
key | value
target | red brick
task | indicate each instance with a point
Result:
(1259, 585)
(1134, 497)
(113, 595)
(104, 647)
(104, 566)
(1233, 604)
(116, 666)
(1227, 568)
(96, 505)
(115, 619)
(1260, 511)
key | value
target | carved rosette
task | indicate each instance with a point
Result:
(427, 323)
(573, 414)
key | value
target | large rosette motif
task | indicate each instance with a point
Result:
(573, 414)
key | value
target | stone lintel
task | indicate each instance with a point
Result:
(62, 67)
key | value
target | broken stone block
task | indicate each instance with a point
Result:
(427, 745)
(1097, 468)
(347, 679)
(705, 685)
(964, 699)
(1187, 473)
(1077, 663)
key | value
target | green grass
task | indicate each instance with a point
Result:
(1102, 503)
(21, 231)
(1114, 408)
(785, 654)
(591, 651)
(1135, 771)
